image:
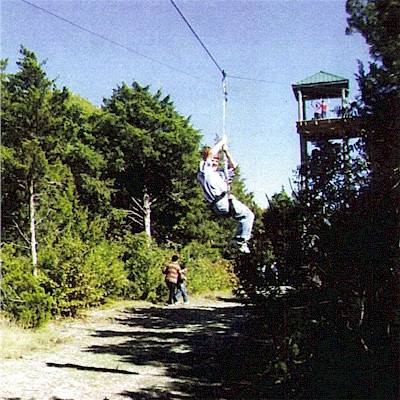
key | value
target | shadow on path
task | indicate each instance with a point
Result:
(205, 350)
(95, 369)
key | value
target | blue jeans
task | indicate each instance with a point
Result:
(238, 211)
(181, 289)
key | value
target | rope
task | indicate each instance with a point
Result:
(224, 102)
(115, 43)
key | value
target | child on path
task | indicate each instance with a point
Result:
(172, 272)
(181, 288)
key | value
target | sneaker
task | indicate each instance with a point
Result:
(241, 245)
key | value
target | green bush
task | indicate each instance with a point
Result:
(207, 271)
(79, 275)
(144, 261)
(22, 298)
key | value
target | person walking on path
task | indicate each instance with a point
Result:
(172, 272)
(215, 185)
(181, 287)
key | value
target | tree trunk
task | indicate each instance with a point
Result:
(33, 228)
(147, 213)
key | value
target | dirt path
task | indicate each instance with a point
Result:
(197, 351)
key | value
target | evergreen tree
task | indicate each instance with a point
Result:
(44, 143)
(150, 151)
(87, 165)
(34, 136)
(378, 22)
(283, 226)
(48, 154)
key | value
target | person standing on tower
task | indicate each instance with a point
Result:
(324, 109)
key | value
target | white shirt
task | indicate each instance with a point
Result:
(212, 181)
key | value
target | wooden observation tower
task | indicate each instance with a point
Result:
(324, 112)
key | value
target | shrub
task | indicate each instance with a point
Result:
(207, 271)
(23, 299)
(144, 261)
(78, 275)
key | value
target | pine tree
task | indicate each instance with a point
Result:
(32, 140)
(152, 156)
(378, 22)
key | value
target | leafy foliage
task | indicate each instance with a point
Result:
(379, 221)
(283, 227)
(79, 275)
(22, 298)
(207, 271)
(144, 261)
(341, 328)
(78, 167)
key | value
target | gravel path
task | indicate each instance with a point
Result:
(197, 351)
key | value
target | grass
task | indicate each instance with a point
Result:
(17, 342)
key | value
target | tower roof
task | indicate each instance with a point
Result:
(321, 85)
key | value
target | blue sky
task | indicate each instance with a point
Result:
(271, 43)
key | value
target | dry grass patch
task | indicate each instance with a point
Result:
(17, 342)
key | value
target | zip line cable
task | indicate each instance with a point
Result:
(197, 37)
(107, 39)
(224, 91)
(257, 80)
(100, 36)
(224, 74)
(136, 52)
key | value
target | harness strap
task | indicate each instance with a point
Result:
(218, 198)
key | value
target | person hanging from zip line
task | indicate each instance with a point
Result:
(215, 185)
